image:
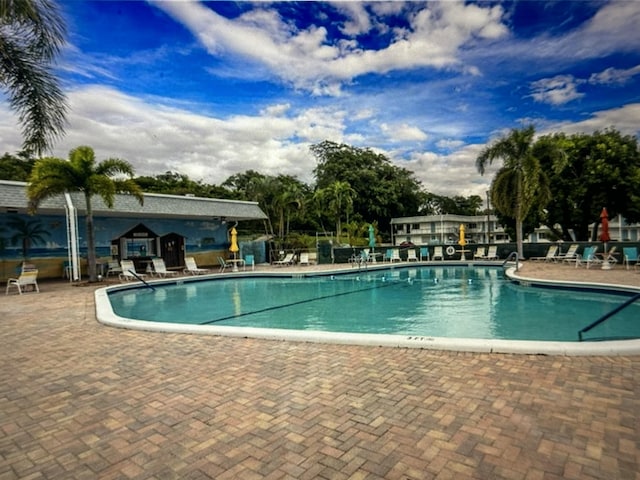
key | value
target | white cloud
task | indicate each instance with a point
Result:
(403, 132)
(614, 75)
(623, 119)
(556, 91)
(310, 60)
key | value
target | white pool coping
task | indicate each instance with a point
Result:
(106, 316)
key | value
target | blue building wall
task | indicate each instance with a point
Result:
(200, 235)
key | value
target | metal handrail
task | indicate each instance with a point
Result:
(512, 254)
(141, 279)
(609, 315)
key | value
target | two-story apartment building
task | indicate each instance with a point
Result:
(445, 229)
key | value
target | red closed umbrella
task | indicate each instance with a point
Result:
(604, 220)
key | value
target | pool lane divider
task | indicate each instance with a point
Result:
(300, 302)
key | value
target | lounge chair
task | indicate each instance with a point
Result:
(492, 253)
(610, 256)
(387, 255)
(192, 268)
(223, 265)
(550, 256)
(437, 253)
(424, 254)
(480, 253)
(129, 273)
(250, 260)
(571, 254)
(588, 257)
(395, 255)
(26, 279)
(288, 259)
(630, 254)
(113, 268)
(411, 255)
(160, 269)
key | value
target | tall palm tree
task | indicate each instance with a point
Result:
(31, 35)
(337, 198)
(54, 176)
(27, 232)
(520, 183)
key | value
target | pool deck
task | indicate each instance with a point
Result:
(82, 400)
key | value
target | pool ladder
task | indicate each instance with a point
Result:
(509, 257)
(606, 316)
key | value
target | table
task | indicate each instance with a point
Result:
(606, 257)
(235, 262)
(462, 256)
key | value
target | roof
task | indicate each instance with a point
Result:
(13, 198)
(447, 217)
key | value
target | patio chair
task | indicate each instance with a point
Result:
(550, 256)
(411, 255)
(480, 253)
(160, 269)
(571, 254)
(588, 257)
(128, 273)
(250, 260)
(424, 254)
(26, 280)
(114, 268)
(387, 255)
(630, 254)
(395, 255)
(192, 268)
(492, 253)
(288, 259)
(437, 253)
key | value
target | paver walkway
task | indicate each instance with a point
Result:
(79, 400)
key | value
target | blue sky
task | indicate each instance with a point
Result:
(210, 89)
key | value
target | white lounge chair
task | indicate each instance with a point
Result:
(192, 268)
(437, 253)
(395, 255)
(552, 251)
(480, 253)
(288, 259)
(129, 273)
(28, 278)
(411, 255)
(160, 268)
(571, 255)
(492, 252)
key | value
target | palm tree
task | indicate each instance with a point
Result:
(337, 198)
(54, 176)
(31, 36)
(520, 183)
(27, 232)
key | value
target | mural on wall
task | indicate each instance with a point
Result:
(46, 235)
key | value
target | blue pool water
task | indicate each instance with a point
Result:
(455, 302)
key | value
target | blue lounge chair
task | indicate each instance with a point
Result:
(630, 255)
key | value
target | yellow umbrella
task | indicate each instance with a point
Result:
(234, 242)
(462, 242)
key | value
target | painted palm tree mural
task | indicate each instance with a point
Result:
(27, 233)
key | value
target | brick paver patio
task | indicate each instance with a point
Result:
(79, 400)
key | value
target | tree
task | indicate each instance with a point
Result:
(54, 176)
(27, 233)
(520, 183)
(598, 170)
(382, 190)
(16, 168)
(31, 36)
(337, 199)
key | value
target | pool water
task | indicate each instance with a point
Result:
(455, 302)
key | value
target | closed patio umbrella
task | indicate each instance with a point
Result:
(372, 237)
(605, 237)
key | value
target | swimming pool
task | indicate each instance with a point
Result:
(424, 306)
